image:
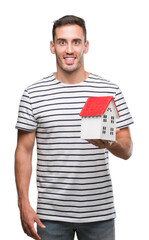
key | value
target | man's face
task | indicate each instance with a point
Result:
(69, 47)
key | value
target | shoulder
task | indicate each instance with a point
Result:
(100, 80)
(40, 84)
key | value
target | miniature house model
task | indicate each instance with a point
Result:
(99, 116)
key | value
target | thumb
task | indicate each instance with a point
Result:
(40, 224)
(117, 130)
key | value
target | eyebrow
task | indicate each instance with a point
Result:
(63, 39)
(60, 39)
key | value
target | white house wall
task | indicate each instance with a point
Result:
(112, 105)
(91, 127)
(108, 124)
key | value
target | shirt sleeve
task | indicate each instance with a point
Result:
(26, 120)
(125, 118)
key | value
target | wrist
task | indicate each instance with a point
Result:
(23, 202)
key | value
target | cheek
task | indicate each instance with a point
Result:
(82, 51)
(59, 51)
(79, 52)
(59, 56)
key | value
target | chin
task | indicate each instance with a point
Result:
(70, 69)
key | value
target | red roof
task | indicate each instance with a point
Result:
(96, 106)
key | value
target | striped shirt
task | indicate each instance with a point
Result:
(73, 178)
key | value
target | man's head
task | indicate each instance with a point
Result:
(69, 43)
(69, 20)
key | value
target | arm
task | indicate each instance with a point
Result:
(23, 170)
(121, 148)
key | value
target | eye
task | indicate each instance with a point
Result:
(62, 42)
(76, 42)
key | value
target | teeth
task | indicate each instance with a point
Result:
(70, 58)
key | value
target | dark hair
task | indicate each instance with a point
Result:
(69, 19)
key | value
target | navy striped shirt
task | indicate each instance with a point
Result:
(73, 178)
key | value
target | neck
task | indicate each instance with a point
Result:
(71, 77)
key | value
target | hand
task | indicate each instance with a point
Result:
(28, 217)
(102, 143)
(121, 148)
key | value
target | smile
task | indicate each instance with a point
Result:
(69, 60)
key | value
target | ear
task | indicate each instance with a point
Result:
(86, 48)
(52, 47)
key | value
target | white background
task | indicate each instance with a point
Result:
(119, 51)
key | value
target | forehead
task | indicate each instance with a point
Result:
(69, 32)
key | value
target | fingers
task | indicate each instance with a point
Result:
(34, 234)
(30, 231)
(97, 142)
(28, 218)
(40, 224)
(117, 130)
(26, 229)
(100, 143)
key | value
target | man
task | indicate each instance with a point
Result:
(74, 184)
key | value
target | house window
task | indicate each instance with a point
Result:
(104, 130)
(104, 118)
(109, 109)
(111, 131)
(112, 119)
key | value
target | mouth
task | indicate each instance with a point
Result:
(69, 60)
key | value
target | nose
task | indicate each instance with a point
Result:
(69, 48)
